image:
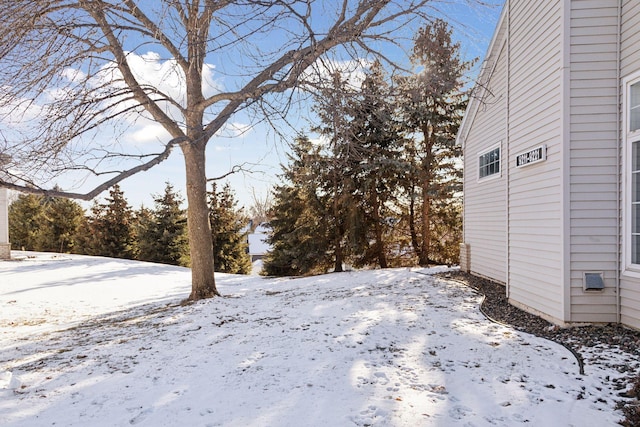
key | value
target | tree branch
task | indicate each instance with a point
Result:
(100, 188)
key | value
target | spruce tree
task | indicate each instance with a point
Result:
(144, 225)
(60, 225)
(111, 227)
(378, 134)
(229, 228)
(301, 237)
(25, 219)
(433, 102)
(162, 233)
(333, 179)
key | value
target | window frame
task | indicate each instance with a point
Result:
(494, 175)
(629, 138)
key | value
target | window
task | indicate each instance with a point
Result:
(489, 163)
(632, 138)
(634, 107)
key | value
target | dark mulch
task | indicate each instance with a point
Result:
(496, 307)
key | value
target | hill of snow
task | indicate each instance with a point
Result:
(88, 341)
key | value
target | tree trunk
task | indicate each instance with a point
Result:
(203, 283)
(380, 252)
(412, 222)
(338, 230)
(337, 267)
(426, 237)
(339, 254)
(427, 181)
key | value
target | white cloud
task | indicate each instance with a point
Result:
(234, 130)
(73, 75)
(151, 132)
(19, 112)
(151, 71)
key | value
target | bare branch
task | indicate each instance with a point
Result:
(234, 169)
(32, 189)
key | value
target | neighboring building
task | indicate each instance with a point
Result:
(551, 144)
(258, 246)
(5, 246)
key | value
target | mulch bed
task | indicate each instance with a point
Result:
(496, 307)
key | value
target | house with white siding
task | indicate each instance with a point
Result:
(551, 141)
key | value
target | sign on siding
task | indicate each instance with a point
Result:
(535, 155)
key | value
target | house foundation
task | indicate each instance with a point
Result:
(5, 251)
(465, 257)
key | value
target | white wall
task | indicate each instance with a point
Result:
(594, 156)
(535, 197)
(485, 226)
(630, 64)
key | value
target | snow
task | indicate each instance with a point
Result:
(105, 342)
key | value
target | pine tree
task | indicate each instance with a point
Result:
(378, 134)
(301, 238)
(433, 104)
(60, 225)
(25, 219)
(333, 180)
(144, 226)
(111, 227)
(162, 233)
(229, 228)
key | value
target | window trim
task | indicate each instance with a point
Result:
(628, 138)
(495, 175)
(629, 107)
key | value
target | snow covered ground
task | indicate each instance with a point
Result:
(87, 341)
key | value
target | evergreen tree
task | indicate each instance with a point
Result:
(60, 225)
(162, 233)
(144, 226)
(301, 237)
(25, 218)
(378, 134)
(333, 181)
(229, 228)
(111, 227)
(433, 103)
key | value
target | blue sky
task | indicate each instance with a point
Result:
(261, 149)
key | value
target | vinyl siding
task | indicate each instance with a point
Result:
(561, 87)
(593, 156)
(4, 221)
(630, 55)
(535, 191)
(630, 64)
(485, 227)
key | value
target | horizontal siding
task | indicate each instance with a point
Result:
(593, 156)
(535, 226)
(533, 195)
(630, 37)
(630, 302)
(630, 63)
(485, 224)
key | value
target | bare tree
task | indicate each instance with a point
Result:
(75, 78)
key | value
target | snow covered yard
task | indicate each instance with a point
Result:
(102, 342)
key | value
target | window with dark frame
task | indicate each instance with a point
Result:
(489, 163)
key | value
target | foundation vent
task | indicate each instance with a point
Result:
(593, 281)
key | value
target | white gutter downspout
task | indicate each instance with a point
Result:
(619, 157)
(565, 173)
(506, 148)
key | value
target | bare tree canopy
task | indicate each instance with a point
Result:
(81, 78)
